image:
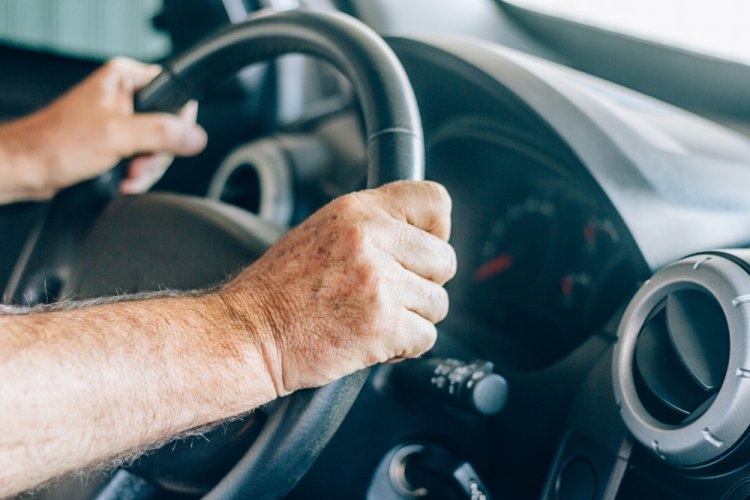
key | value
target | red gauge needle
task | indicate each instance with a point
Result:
(566, 286)
(499, 264)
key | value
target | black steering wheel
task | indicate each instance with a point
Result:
(148, 242)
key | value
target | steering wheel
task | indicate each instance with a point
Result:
(148, 242)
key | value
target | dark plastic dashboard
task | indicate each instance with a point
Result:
(594, 185)
(568, 192)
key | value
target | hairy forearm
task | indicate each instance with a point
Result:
(87, 385)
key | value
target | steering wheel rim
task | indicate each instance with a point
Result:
(395, 147)
(303, 423)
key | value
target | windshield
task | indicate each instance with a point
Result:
(718, 28)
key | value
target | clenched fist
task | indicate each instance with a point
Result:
(359, 283)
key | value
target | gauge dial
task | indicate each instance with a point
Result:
(546, 263)
(595, 242)
(517, 248)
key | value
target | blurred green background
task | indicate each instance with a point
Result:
(96, 29)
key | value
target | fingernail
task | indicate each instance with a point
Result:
(195, 139)
(192, 109)
(127, 187)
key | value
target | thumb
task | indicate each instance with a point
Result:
(158, 133)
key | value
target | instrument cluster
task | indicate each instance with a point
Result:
(545, 260)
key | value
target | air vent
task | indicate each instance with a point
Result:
(258, 178)
(242, 188)
(681, 366)
(681, 357)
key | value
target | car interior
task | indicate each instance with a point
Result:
(598, 341)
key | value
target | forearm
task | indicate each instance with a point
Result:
(88, 385)
(24, 160)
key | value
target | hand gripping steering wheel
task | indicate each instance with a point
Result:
(141, 242)
(298, 431)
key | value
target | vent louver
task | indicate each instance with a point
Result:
(681, 357)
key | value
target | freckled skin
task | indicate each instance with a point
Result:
(346, 296)
(358, 283)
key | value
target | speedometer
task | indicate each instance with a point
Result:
(544, 262)
(544, 259)
(516, 252)
(519, 258)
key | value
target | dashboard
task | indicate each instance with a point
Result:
(569, 192)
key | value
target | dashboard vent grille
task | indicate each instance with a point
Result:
(681, 357)
(242, 188)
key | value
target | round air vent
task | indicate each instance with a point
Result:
(257, 177)
(682, 361)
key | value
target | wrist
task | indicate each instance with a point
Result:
(26, 161)
(241, 323)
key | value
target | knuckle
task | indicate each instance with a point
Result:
(354, 237)
(451, 262)
(427, 339)
(439, 194)
(430, 338)
(346, 205)
(433, 219)
(375, 320)
(440, 206)
(343, 203)
(441, 302)
(366, 280)
(348, 209)
(117, 64)
(375, 356)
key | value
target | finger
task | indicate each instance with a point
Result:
(135, 73)
(157, 133)
(120, 78)
(395, 360)
(424, 254)
(144, 75)
(424, 204)
(144, 172)
(149, 165)
(423, 297)
(189, 112)
(417, 336)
